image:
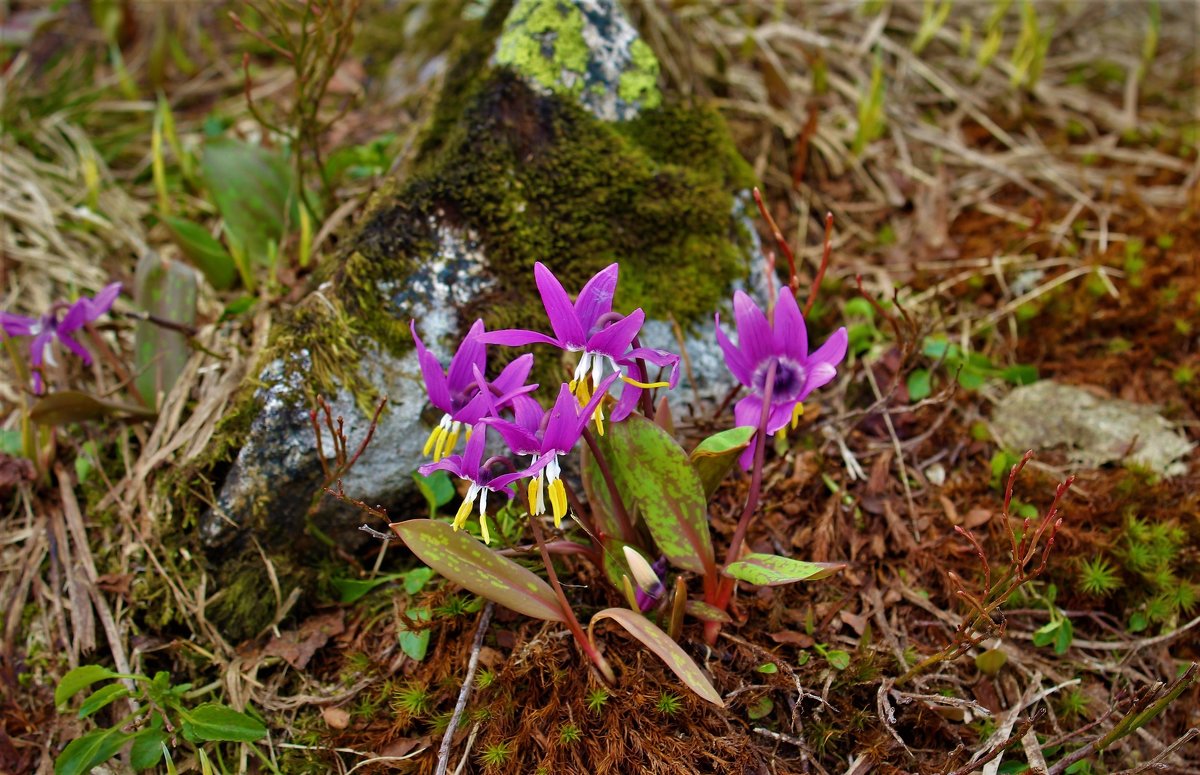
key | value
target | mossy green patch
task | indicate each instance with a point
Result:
(543, 40)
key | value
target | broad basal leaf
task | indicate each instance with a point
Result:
(68, 406)
(770, 570)
(470, 564)
(203, 250)
(90, 750)
(80, 678)
(167, 290)
(254, 189)
(213, 721)
(653, 471)
(667, 650)
(706, 613)
(717, 454)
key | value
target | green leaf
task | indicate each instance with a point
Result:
(714, 456)
(470, 564)
(68, 406)
(1066, 634)
(437, 488)
(237, 307)
(216, 722)
(705, 612)
(167, 290)
(80, 678)
(597, 493)
(653, 472)
(769, 668)
(989, 662)
(1020, 374)
(667, 650)
(101, 698)
(414, 643)
(970, 379)
(350, 590)
(94, 748)
(837, 659)
(11, 443)
(761, 708)
(203, 250)
(254, 190)
(147, 748)
(770, 570)
(920, 384)
(1046, 634)
(416, 579)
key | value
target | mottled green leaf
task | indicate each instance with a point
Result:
(213, 721)
(706, 613)
(713, 458)
(597, 493)
(167, 290)
(470, 564)
(68, 406)
(204, 251)
(770, 570)
(90, 750)
(79, 679)
(253, 188)
(667, 650)
(652, 471)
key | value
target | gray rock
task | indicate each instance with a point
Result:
(1095, 431)
(583, 49)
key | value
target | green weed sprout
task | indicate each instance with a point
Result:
(159, 718)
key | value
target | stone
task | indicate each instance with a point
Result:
(554, 145)
(1095, 431)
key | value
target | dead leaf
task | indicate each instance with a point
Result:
(296, 647)
(405, 746)
(336, 718)
(792, 638)
(976, 517)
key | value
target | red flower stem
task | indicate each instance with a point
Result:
(627, 533)
(572, 623)
(725, 585)
(646, 401)
(825, 253)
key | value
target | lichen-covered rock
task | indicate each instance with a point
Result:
(1094, 431)
(570, 157)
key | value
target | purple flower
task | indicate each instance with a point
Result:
(49, 328)
(458, 393)
(471, 466)
(544, 436)
(648, 578)
(588, 325)
(783, 343)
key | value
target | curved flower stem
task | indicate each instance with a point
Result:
(627, 533)
(573, 625)
(645, 399)
(725, 586)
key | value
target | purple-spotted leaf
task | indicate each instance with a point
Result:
(771, 570)
(653, 472)
(713, 458)
(707, 613)
(470, 564)
(596, 490)
(667, 650)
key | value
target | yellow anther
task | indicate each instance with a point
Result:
(558, 499)
(434, 435)
(535, 489)
(451, 442)
(796, 413)
(598, 416)
(464, 511)
(644, 385)
(483, 528)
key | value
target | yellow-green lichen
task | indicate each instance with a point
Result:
(640, 84)
(543, 40)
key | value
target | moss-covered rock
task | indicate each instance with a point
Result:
(560, 153)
